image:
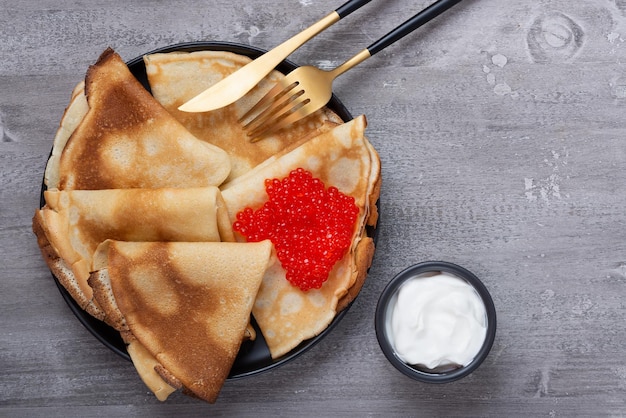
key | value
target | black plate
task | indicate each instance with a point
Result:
(254, 356)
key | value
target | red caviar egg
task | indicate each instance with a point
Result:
(310, 226)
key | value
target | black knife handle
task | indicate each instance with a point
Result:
(350, 6)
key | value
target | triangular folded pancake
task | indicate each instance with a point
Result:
(126, 139)
(176, 77)
(187, 304)
(73, 223)
(343, 158)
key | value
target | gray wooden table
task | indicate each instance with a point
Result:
(502, 133)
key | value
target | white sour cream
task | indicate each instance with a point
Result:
(437, 320)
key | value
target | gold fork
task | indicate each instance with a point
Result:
(306, 89)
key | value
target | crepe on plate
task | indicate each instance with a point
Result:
(118, 136)
(176, 77)
(72, 224)
(184, 305)
(344, 158)
(83, 157)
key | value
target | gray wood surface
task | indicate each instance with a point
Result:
(502, 135)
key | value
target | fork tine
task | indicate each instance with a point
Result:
(281, 104)
(274, 94)
(270, 123)
(292, 115)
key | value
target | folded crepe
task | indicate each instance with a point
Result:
(344, 158)
(176, 77)
(73, 223)
(183, 307)
(73, 115)
(118, 136)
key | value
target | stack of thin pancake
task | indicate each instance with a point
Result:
(137, 221)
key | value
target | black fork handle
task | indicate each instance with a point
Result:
(349, 7)
(410, 25)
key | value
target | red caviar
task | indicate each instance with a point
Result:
(310, 226)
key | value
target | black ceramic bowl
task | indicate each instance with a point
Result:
(441, 374)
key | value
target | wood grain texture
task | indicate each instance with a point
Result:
(502, 133)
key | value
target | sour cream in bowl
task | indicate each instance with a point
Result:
(435, 322)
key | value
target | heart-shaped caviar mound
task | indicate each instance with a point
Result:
(310, 226)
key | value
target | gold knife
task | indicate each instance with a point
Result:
(244, 79)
